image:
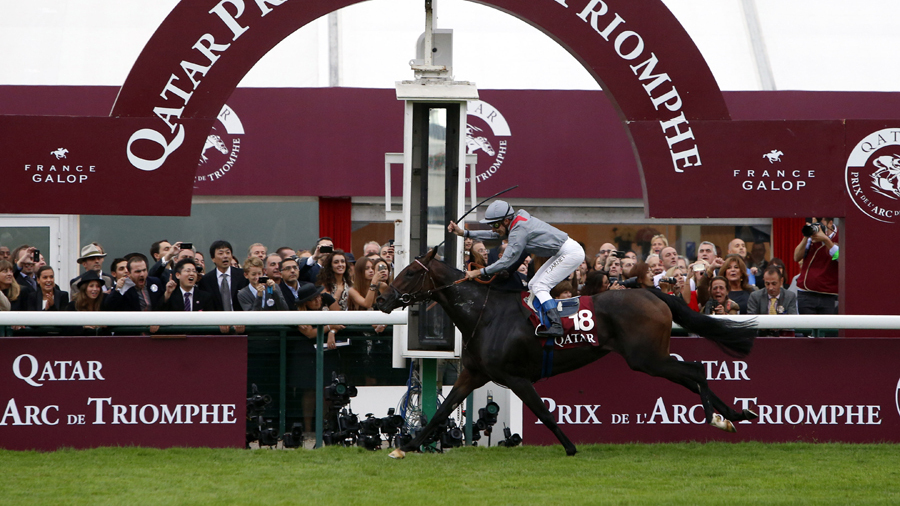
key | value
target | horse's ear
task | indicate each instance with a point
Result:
(430, 255)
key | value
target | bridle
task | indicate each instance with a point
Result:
(422, 294)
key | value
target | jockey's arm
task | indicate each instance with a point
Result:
(514, 248)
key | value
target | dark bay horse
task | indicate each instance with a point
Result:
(499, 343)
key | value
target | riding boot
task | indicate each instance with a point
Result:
(555, 329)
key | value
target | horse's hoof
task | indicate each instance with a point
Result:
(750, 415)
(571, 453)
(719, 422)
(397, 454)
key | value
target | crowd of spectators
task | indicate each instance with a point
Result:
(175, 277)
(736, 282)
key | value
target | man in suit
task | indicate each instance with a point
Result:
(137, 291)
(290, 284)
(773, 300)
(309, 269)
(181, 293)
(91, 259)
(224, 281)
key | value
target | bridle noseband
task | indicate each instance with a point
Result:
(423, 295)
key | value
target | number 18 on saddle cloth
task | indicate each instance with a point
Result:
(577, 315)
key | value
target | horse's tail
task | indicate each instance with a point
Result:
(734, 338)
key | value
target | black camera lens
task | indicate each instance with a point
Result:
(809, 230)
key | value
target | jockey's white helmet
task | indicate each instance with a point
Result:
(497, 211)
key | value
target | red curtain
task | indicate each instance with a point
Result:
(334, 220)
(785, 237)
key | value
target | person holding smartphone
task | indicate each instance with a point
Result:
(371, 278)
(261, 294)
(309, 270)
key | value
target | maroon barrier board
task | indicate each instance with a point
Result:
(85, 392)
(813, 390)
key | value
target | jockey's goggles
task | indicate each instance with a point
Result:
(495, 225)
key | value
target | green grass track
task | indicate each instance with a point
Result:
(689, 473)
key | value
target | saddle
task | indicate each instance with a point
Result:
(577, 315)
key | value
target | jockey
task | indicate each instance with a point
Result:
(529, 234)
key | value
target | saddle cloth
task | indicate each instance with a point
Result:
(577, 315)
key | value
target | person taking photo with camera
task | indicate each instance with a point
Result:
(817, 286)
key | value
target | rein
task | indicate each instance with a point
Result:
(420, 296)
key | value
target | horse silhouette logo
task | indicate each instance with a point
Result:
(872, 176)
(222, 148)
(486, 131)
(886, 178)
(474, 142)
(60, 153)
(213, 141)
(773, 156)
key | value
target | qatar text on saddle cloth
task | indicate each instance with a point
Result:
(579, 328)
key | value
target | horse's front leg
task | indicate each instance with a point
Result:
(465, 384)
(524, 389)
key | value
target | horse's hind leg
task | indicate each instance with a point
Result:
(525, 391)
(728, 412)
(465, 384)
(692, 375)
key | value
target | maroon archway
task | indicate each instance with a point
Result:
(638, 52)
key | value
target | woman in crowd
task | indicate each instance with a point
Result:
(334, 277)
(478, 253)
(739, 288)
(719, 303)
(89, 297)
(578, 276)
(48, 297)
(676, 273)
(644, 276)
(371, 276)
(15, 294)
(598, 264)
(90, 294)
(596, 282)
(657, 243)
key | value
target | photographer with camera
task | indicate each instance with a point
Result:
(817, 286)
(719, 303)
(641, 277)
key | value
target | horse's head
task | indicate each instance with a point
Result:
(413, 284)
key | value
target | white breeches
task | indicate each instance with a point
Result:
(556, 269)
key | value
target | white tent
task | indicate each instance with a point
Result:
(749, 44)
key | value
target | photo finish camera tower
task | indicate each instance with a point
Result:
(434, 176)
